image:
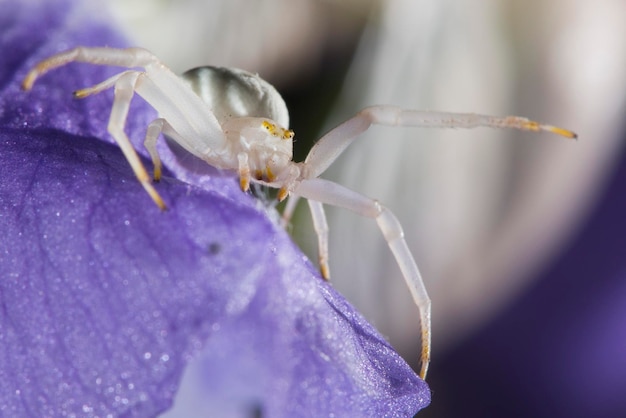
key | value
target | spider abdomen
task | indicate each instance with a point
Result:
(231, 92)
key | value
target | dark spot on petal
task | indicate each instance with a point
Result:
(256, 411)
(214, 248)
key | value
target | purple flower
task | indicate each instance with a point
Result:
(104, 299)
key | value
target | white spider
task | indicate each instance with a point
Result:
(235, 120)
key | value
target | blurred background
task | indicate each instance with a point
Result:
(519, 236)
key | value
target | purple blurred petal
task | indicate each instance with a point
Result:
(104, 299)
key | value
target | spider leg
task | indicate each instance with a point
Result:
(129, 57)
(155, 128)
(324, 191)
(290, 208)
(199, 131)
(320, 225)
(153, 131)
(100, 87)
(331, 145)
(321, 229)
(152, 134)
(124, 90)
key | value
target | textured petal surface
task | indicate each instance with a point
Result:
(104, 299)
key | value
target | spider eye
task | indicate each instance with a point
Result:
(287, 134)
(270, 127)
(277, 131)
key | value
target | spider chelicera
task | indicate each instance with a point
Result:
(235, 120)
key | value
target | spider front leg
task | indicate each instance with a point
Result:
(153, 131)
(124, 91)
(331, 145)
(125, 84)
(129, 57)
(324, 191)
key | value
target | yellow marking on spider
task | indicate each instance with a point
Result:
(283, 193)
(157, 173)
(287, 134)
(324, 269)
(244, 183)
(425, 357)
(269, 175)
(32, 75)
(561, 131)
(531, 125)
(156, 198)
(82, 93)
(270, 127)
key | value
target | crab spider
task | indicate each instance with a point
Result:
(234, 120)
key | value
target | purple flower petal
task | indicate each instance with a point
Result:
(104, 299)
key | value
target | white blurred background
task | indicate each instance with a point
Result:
(483, 210)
